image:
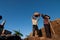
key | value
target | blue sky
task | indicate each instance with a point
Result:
(17, 13)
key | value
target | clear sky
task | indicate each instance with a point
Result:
(17, 13)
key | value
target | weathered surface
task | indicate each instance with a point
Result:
(55, 35)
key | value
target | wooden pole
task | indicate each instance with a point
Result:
(52, 29)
